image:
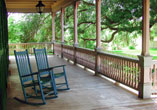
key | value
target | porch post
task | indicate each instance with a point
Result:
(75, 24)
(145, 58)
(75, 30)
(53, 26)
(62, 31)
(98, 35)
(53, 30)
(62, 25)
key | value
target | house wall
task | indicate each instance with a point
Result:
(3, 55)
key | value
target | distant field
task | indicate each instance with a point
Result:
(134, 53)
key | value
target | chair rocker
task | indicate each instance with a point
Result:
(42, 63)
(34, 85)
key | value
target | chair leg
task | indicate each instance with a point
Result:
(24, 93)
(36, 91)
(42, 93)
(53, 84)
(66, 81)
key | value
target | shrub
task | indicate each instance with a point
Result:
(131, 47)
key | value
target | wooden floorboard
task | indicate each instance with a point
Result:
(87, 92)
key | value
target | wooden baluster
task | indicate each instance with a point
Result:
(107, 65)
(121, 67)
(101, 64)
(126, 72)
(118, 69)
(111, 66)
(113, 75)
(133, 73)
(139, 74)
(109, 61)
(128, 77)
(120, 75)
(116, 75)
(122, 70)
(104, 64)
(130, 73)
(136, 69)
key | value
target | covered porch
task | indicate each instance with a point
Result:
(87, 92)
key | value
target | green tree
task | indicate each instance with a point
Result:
(121, 23)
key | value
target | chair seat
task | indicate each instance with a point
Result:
(31, 84)
(43, 81)
(57, 75)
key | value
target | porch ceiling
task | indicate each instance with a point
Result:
(28, 6)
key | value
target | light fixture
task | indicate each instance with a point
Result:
(40, 7)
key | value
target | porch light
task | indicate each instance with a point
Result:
(40, 7)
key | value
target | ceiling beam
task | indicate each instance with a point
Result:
(61, 4)
(29, 6)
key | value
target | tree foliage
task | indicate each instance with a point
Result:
(121, 22)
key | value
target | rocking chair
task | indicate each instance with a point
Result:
(42, 63)
(37, 85)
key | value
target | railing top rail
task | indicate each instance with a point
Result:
(85, 50)
(119, 56)
(68, 46)
(31, 43)
(56, 43)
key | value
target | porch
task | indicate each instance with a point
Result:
(88, 92)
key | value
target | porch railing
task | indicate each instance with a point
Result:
(154, 78)
(121, 69)
(30, 46)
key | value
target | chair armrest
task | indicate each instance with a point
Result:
(51, 68)
(47, 69)
(58, 66)
(35, 73)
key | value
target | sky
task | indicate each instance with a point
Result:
(17, 16)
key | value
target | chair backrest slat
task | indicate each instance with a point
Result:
(41, 59)
(23, 65)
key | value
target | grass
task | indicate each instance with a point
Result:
(134, 53)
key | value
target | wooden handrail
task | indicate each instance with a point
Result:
(119, 68)
(119, 56)
(29, 46)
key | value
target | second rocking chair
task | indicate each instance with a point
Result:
(42, 63)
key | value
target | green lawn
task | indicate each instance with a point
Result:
(134, 53)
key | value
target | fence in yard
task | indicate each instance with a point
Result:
(30, 46)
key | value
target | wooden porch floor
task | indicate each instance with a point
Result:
(87, 92)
